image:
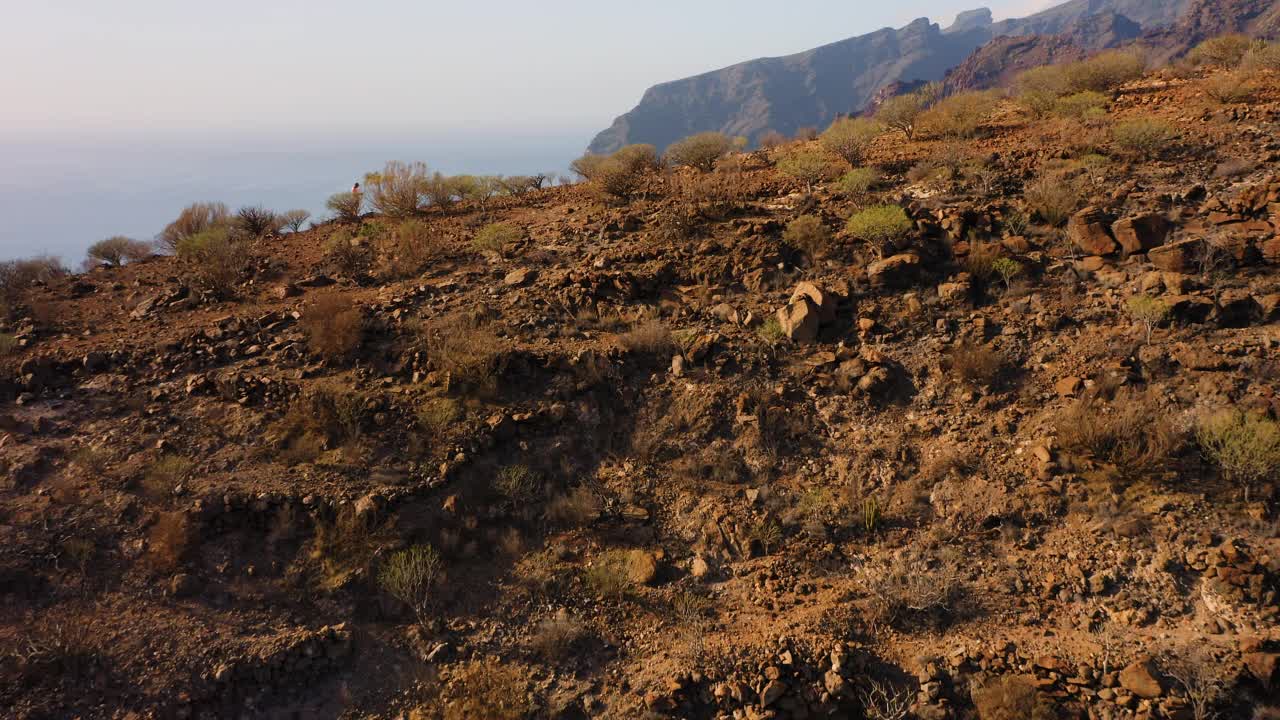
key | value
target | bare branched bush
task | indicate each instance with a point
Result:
(1201, 679)
(411, 576)
(886, 701)
(904, 111)
(649, 337)
(1262, 56)
(700, 151)
(257, 221)
(911, 584)
(1244, 446)
(1230, 88)
(118, 250)
(975, 365)
(334, 326)
(850, 138)
(169, 540)
(555, 638)
(772, 139)
(324, 417)
(466, 348)
(1012, 697)
(346, 256)
(397, 190)
(517, 483)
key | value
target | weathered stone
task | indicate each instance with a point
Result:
(825, 301)
(1090, 230)
(519, 277)
(800, 320)
(1138, 679)
(1178, 256)
(1142, 232)
(895, 271)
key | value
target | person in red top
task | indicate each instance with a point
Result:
(355, 189)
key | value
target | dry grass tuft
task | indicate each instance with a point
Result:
(334, 326)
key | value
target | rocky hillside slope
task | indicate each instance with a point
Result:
(716, 452)
(810, 89)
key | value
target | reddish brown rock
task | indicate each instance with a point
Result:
(1142, 232)
(1176, 257)
(1090, 230)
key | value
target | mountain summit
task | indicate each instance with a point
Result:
(809, 89)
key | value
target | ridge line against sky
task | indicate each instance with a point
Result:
(394, 65)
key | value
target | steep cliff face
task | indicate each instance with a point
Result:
(813, 87)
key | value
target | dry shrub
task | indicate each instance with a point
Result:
(1038, 89)
(975, 365)
(700, 151)
(808, 235)
(1144, 137)
(257, 221)
(578, 508)
(194, 220)
(850, 138)
(334, 326)
(1012, 697)
(17, 277)
(8, 344)
(411, 248)
(1081, 106)
(118, 250)
(399, 189)
(858, 181)
(612, 574)
(1262, 56)
(1227, 51)
(345, 255)
(805, 134)
(323, 417)
(488, 689)
(495, 237)
(960, 116)
(164, 474)
(553, 639)
(411, 576)
(345, 545)
(467, 348)
(1134, 434)
(1230, 88)
(213, 261)
(808, 166)
(1054, 198)
(902, 112)
(911, 585)
(772, 139)
(437, 415)
(708, 196)
(649, 337)
(517, 483)
(53, 655)
(346, 206)
(168, 541)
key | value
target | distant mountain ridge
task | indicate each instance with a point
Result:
(811, 88)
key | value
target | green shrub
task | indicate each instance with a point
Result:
(399, 189)
(960, 116)
(410, 576)
(1081, 106)
(346, 206)
(700, 151)
(849, 138)
(437, 415)
(116, 251)
(8, 343)
(1144, 138)
(295, 219)
(880, 224)
(495, 237)
(257, 221)
(771, 331)
(858, 181)
(807, 166)
(1007, 269)
(808, 234)
(1227, 51)
(193, 220)
(1244, 446)
(213, 261)
(1105, 71)
(902, 112)
(1038, 89)
(517, 483)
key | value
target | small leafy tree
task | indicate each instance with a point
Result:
(1007, 269)
(1147, 310)
(880, 224)
(858, 181)
(700, 151)
(118, 250)
(902, 112)
(398, 189)
(850, 137)
(410, 576)
(193, 220)
(295, 219)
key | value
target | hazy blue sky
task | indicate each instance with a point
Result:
(393, 65)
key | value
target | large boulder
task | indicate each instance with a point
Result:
(1090, 230)
(1141, 233)
(825, 300)
(895, 271)
(1139, 680)
(1176, 257)
(800, 320)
